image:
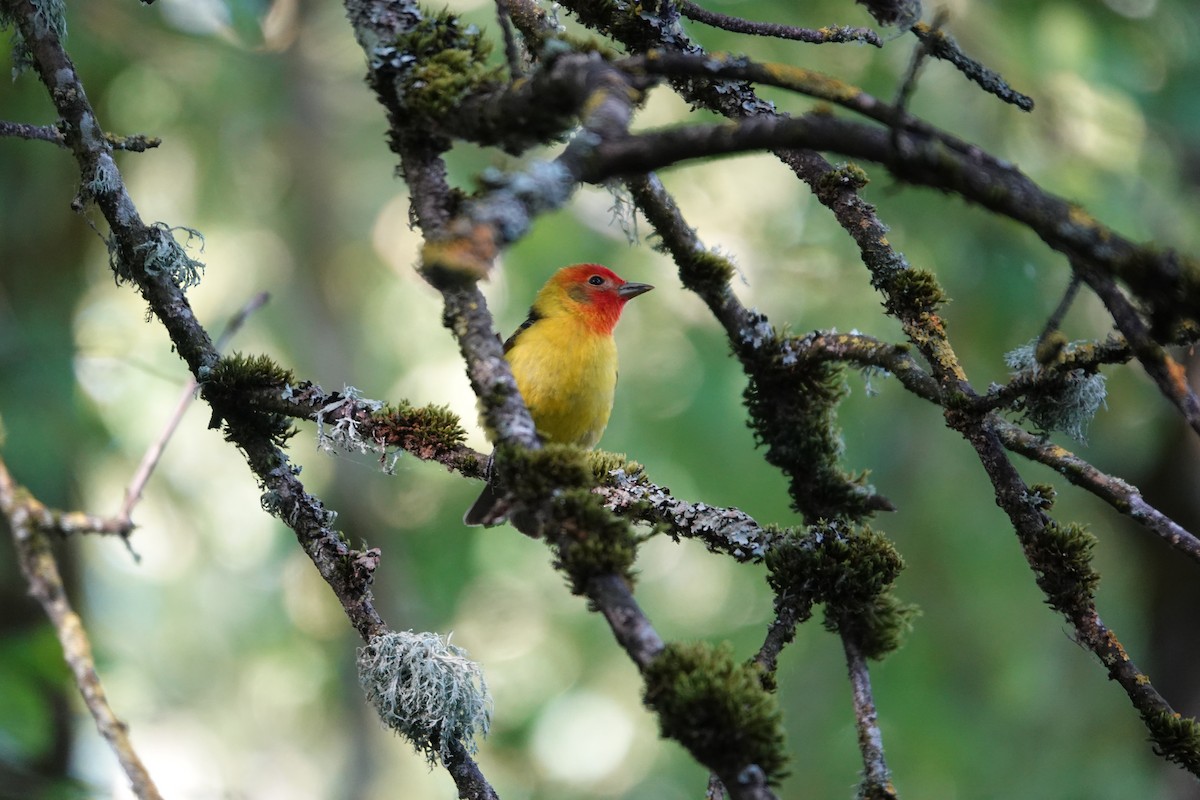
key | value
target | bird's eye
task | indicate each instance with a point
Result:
(596, 280)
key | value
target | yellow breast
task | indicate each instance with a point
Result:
(568, 377)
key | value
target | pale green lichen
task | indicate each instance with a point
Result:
(1067, 402)
(49, 16)
(160, 254)
(427, 690)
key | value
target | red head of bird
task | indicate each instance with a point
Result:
(592, 293)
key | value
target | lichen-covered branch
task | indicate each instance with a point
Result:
(34, 133)
(135, 143)
(723, 530)
(31, 524)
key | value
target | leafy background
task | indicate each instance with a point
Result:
(229, 657)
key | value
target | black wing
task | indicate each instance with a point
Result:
(533, 317)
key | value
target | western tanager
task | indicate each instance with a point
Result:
(564, 360)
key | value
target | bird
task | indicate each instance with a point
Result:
(564, 360)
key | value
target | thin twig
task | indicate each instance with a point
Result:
(877, 778)
(26, 517)
(154, 452)
(810, 35)
(939, 44)
(909, 84)
(36, 133)
(1060, 311)
(512, 52)
(134, 143)
(1122, 496)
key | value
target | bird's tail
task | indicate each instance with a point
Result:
(487, 510)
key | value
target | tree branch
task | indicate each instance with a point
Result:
(940, 44)
(1117, 493)
(1170, 377)
(723, 530)
(153, 453)
(137, 252)
(877, 778)
(35, 133)
(31, 523)
(1059, 557)
(809, 35)
(136, 143)
(1168, 282)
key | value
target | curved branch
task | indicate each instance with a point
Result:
(1169, 282)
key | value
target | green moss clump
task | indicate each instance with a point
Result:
(913, 292)
(1176, 738)
(833, 562)
(793, 413)
(236, 386)
(425, 431)
(878, 628)
(604, 463)
(238, 372)
(592, 542)
(532, 476)
(849, 569)
(1061, 556)
(1041, 496)
(441, 62)
(717, 709)
(849, 175)
(551, 488)
(706, 273)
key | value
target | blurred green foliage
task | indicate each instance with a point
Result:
(231, 660)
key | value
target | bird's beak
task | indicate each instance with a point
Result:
(627, 291)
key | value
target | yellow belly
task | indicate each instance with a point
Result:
(568, 377)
